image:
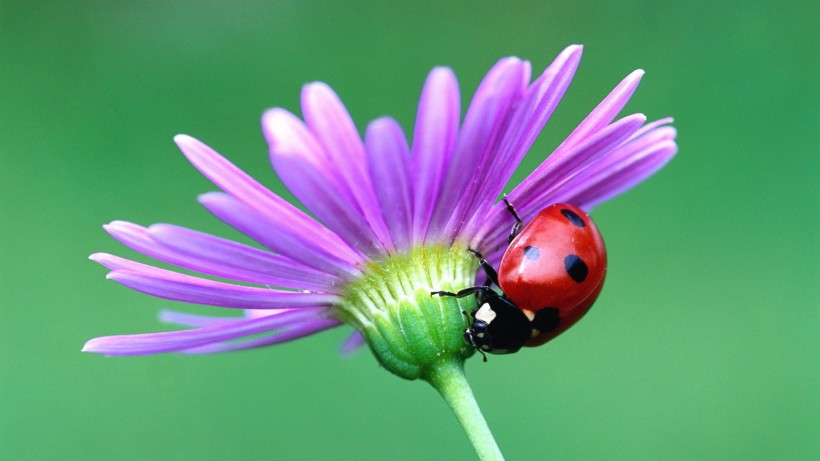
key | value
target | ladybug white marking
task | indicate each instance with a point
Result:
(485, 313)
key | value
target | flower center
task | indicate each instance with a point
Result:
(407, 328)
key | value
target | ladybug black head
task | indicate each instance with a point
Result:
(477, 336)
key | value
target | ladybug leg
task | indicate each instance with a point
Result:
(517, 226)
(486, 267)
(462, 293)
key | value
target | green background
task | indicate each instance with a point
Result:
(704, 344)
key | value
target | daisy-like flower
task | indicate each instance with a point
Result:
(391, 221)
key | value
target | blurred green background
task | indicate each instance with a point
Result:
(704, 344)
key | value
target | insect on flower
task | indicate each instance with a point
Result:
(392, 221)
(550, 275)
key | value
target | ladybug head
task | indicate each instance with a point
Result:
(477, 336)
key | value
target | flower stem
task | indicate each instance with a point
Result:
(448, 378)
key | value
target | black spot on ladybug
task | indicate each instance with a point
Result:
(576, 268)
(573, 217)
(546, 319)
(532, 253)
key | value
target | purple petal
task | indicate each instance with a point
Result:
(534, 191)
(293, 228)
(154, 343)
(637, 170)
(652, 127)
(618, 170)
(434, 139)
(254, 313)
(389, 162)
(597, 120)
(352, 344)
(623, 169)
(530, 117)
(312, 175)
(283, 336)
(186, 288)
(333, 127)
(263, 229)
(193, 320)
(222, 258)
(538, 189)
(281, 270)
(487, 117)
(604, 113)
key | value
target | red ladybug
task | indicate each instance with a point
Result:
(551, 273)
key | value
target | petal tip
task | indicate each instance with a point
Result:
(573, 49)
(446, 69)
(318, 96)
(441, 76)
(121, 226)
(271, 114)
(636, 75)
(210, 196)
(98, 257)
(182, 139)
(276, 122)
(94, 345)
(191, 147)
(311, 87)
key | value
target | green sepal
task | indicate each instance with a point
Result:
(406, 327)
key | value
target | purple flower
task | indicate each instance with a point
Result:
(389, 214)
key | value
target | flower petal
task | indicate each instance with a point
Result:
(292, 228)
(263, 229)
(535, 190)
(279, 337)
(389, 163)
(530, 117)
(155, 343)
(312, 175)
(487, 117)
(186, 288)
(333, 127)
(604, 112)
(434, 139)
(215, 256)
(627, 166)
(280, 270)
(193, 320)
(352, 344)
(539, 188)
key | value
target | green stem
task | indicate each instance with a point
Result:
(449, 380)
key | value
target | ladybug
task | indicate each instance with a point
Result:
(550, 274)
